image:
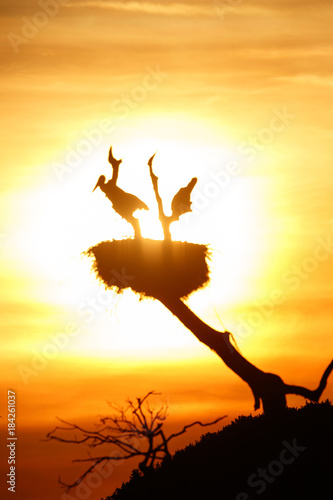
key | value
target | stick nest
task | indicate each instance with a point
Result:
(151, 268)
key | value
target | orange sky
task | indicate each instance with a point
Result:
(236, 93)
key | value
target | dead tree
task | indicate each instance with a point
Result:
(171, 270)
(267, 387)
(136, 430)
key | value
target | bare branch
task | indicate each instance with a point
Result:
(307, 393)
(176, 434)
(145, 424)
(81, 478)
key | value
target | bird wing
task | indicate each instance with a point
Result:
(181, 202)
(123, 203)
(135, 202)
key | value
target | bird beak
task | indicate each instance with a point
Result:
(95, 186)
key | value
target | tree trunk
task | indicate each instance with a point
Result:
(267, 387)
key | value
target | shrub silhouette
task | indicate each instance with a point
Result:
(220, 464)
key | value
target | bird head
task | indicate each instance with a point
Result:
(112, 159)
(150, 161)
(100, 182)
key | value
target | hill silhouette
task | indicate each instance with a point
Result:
(251, 458)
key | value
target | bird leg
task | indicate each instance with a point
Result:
(136, 226)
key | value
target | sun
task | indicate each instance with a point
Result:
(63, 218)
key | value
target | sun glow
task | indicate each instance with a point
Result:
(63, 218)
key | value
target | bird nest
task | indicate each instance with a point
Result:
(151, 268)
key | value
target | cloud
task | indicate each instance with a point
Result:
(199, 7)
(168, 9)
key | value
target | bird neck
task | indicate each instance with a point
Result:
(103, 187)
(115, 174)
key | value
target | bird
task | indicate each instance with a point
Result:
(150, 161)
(181, 202)
(125, 204)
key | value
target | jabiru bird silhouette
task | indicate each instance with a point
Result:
(125, 204)
(181, 202)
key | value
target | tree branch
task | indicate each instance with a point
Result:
(267, 387)
(307, 393)
(176, 434)
(146, 425)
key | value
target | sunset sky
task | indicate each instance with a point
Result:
(236, 93)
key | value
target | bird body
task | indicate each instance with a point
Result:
(125, 204)
(181, 202)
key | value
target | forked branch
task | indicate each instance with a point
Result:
(135, 430)
(307, 393)
(267, 388)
